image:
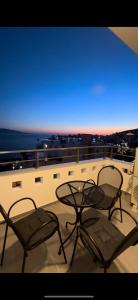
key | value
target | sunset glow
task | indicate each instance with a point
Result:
(78, 131)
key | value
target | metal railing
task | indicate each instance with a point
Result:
(39, 157)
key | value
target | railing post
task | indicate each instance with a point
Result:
(37, 159)
(46, 157)
(78, 155)
(111, 153)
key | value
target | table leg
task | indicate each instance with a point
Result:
(60, 248)
(73, 253)
(78, 221)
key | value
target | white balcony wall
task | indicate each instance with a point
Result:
(134, 196)
(51, 177)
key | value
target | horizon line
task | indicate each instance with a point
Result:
(71, 131)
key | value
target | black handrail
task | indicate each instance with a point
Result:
(77, 156)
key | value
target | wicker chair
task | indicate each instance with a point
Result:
(31, 230)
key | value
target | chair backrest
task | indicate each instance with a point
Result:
(131, 239)
(110, 177)
(5, 216)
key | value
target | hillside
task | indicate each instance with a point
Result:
(10, 131)
(134, 131)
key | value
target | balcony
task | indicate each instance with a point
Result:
(39, 183)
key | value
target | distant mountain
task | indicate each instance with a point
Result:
(10, 131)
(134, 131)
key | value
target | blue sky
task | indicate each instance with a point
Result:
(69, 80)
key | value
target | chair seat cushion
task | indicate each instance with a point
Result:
(110, 196)
(104, 233)
(26, 226)
(104, 203)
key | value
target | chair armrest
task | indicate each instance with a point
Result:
(91, 180)
(38, 229)
(118, 208)
(20, 201)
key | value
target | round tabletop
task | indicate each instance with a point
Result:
(80, 193)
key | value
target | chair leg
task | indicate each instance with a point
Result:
(105, 269)
(4, 244)
(95, 259)
(62, 246)
(71, 233)
(74, 249)
(120, 210)
(24, 260)
(109, 212)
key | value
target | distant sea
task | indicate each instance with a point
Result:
(19, 141)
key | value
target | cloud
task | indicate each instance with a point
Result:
(98, 89)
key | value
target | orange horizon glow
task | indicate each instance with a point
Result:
(78, 131)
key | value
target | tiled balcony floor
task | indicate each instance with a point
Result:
(45, 258)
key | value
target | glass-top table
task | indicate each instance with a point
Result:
(79, 194)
